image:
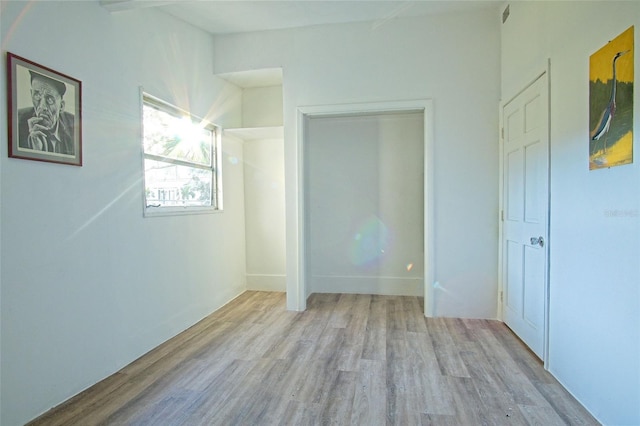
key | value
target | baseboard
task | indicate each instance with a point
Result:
(390, 286)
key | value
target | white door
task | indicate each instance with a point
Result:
(525, 214)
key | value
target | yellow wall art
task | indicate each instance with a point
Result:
(611, 103)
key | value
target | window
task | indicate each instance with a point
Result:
(181, 161)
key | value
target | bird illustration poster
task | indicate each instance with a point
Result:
(611, 103)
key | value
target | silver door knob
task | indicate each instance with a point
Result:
(539, 241)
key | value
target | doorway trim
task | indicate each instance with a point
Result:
(296, 279)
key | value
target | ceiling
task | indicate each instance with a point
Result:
(220, 17)
(228, 17)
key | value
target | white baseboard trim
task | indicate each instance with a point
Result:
(390, 286)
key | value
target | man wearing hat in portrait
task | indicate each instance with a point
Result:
(46, 126)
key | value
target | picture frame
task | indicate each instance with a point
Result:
(44, 113)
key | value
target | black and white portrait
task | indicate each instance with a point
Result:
(44, 113)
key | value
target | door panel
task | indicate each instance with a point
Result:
(514, 172)
(533, 288)
(532, 208)
(526, 204)
(514, 274)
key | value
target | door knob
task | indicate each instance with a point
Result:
(539, 241)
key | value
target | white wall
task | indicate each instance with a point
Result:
(595, 220)
(365, 204)
(265, 220)
(87, 284)
(262, 106)
(264, 188)
(452, 59)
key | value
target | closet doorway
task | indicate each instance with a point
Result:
(366, 199)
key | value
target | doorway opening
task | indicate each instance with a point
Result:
(364, 200)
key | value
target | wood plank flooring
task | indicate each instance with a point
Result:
(348, 360)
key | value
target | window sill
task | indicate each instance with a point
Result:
(178, 211)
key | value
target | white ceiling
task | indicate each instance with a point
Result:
(227, 17)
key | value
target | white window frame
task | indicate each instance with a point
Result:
(215, 168)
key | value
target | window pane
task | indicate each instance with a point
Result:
(176, 137)
(170, 185)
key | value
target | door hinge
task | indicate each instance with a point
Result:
(502, 215)
(501, 293)
(502, 132)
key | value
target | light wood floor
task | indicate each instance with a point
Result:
(347, 360)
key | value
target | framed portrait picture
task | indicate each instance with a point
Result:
(45, 113)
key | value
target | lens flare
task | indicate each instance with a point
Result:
(370, 242)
